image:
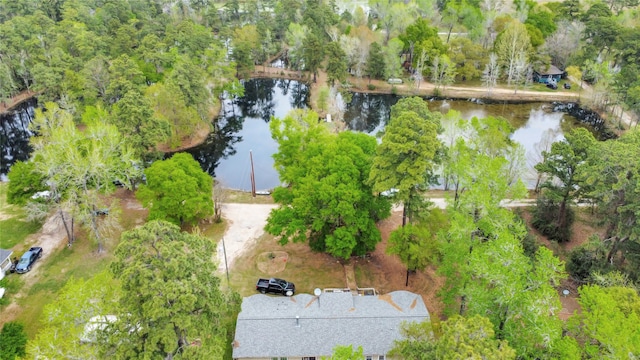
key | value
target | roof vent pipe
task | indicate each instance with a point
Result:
(297, 321)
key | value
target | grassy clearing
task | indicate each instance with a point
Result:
(13, 228)
(244, 197)
(79, 261)
(308, 270)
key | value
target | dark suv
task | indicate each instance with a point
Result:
(27, 260)
(552, 85)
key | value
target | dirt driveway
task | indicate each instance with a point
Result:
(246, 225)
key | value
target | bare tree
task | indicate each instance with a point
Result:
(520, 71)
(220, 195)
(491, 73)
(512, 44)
(565, 42)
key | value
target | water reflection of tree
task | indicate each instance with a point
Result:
(220, 143)
(257, 101)
(299, 95)
(15, 134)
(366, 112)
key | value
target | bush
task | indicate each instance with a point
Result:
(371, 87)
(13, 341)
(587, 259)
(530, 245)
(545, 220)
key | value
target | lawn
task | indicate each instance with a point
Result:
(308, 270)
(79, 261)
(13, 228)
(41, 287)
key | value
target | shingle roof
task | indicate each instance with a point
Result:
(550, 70)
(5, 254)
(267, 326)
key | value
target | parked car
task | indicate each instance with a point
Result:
(567, 86)
(553, 86)
(276, 286)
(27, 260)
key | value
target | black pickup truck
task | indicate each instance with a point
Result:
(276, 286)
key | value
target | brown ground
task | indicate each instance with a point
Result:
(387, 273)
(14, 101)
(581, 230)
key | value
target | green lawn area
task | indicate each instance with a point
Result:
(13, 228)
(79, 261)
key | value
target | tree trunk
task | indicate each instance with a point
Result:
(66, 228)
(404, 215)
(406, 283)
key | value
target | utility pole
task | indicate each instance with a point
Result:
(253, 177)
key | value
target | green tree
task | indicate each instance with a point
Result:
(419, 37)
(562, 165)
(469, 58)
(295, 39)
(312, 53)
(406, 158)
(460, 12)
(416, 245)
(81, 303)
(607, 324)
(133, 115)
(392, 62)
(190, 80)
(347, 353)
(336, 64)
(79, 169)
(170, 295)
(246, 41)
(24, 181)
(169, 107)
(511, 44)
(13, 341)
(375, 62)
(327, 201)
(455, 338)
(611, 178)
(124, 76)
(177, 190)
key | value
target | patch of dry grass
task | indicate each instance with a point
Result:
(308, 270)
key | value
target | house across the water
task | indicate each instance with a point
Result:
(550, 74)
(308, 327)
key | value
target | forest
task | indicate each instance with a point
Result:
(120, 81)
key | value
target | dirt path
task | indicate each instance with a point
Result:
(16, 100)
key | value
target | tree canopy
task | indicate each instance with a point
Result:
(177, 190)
(326, 200)
(171, 303)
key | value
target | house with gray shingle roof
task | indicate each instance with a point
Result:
(307, 327)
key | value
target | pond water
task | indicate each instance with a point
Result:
(243, 128)
(14, 136)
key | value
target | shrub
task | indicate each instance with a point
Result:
(530, 245)
(371, 87)
(13, 341)
(587, 259)
(545, 220)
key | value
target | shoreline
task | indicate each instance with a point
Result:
(25, 95)
(361, 85)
